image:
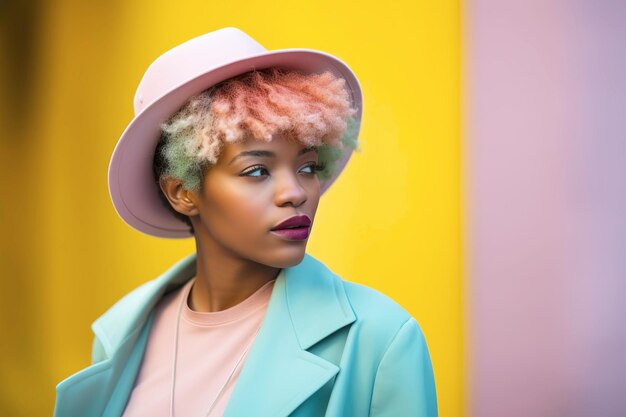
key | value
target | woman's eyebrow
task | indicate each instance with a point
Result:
(270, 154)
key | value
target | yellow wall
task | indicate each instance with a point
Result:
(68, 75)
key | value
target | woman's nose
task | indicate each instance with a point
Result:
(289, 190)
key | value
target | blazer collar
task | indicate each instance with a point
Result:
(308, 303)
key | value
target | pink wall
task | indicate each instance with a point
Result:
(545, 118)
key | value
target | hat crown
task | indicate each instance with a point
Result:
(191, 59)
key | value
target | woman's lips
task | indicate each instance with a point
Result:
(301, 220)
(296, 233)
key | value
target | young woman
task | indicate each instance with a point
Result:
(234, 145)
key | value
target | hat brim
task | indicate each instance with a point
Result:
(132, 188)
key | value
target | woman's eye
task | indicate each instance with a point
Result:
(310, 168)
(313, 168)
(254, 170)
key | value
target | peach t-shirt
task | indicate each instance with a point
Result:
(209, 346)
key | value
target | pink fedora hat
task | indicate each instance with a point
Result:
(167, 84)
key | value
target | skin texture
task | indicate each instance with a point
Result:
(233, 213)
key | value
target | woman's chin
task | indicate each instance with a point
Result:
(285, 258)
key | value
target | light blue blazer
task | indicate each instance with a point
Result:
(326, 347)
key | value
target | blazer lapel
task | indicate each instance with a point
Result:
(308, 303)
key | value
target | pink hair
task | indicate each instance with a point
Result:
(309, 108)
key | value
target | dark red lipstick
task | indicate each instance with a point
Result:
(294, 228)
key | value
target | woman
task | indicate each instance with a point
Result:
(234, 145)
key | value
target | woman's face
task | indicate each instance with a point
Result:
(252, 188)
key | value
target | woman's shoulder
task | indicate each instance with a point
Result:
(377, 313)
(132, 309)
(369, 301)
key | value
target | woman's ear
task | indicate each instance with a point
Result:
(182, 200)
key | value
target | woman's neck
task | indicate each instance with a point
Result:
(224, 281)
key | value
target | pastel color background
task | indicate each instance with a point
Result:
(488, 199)
(545, 199)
